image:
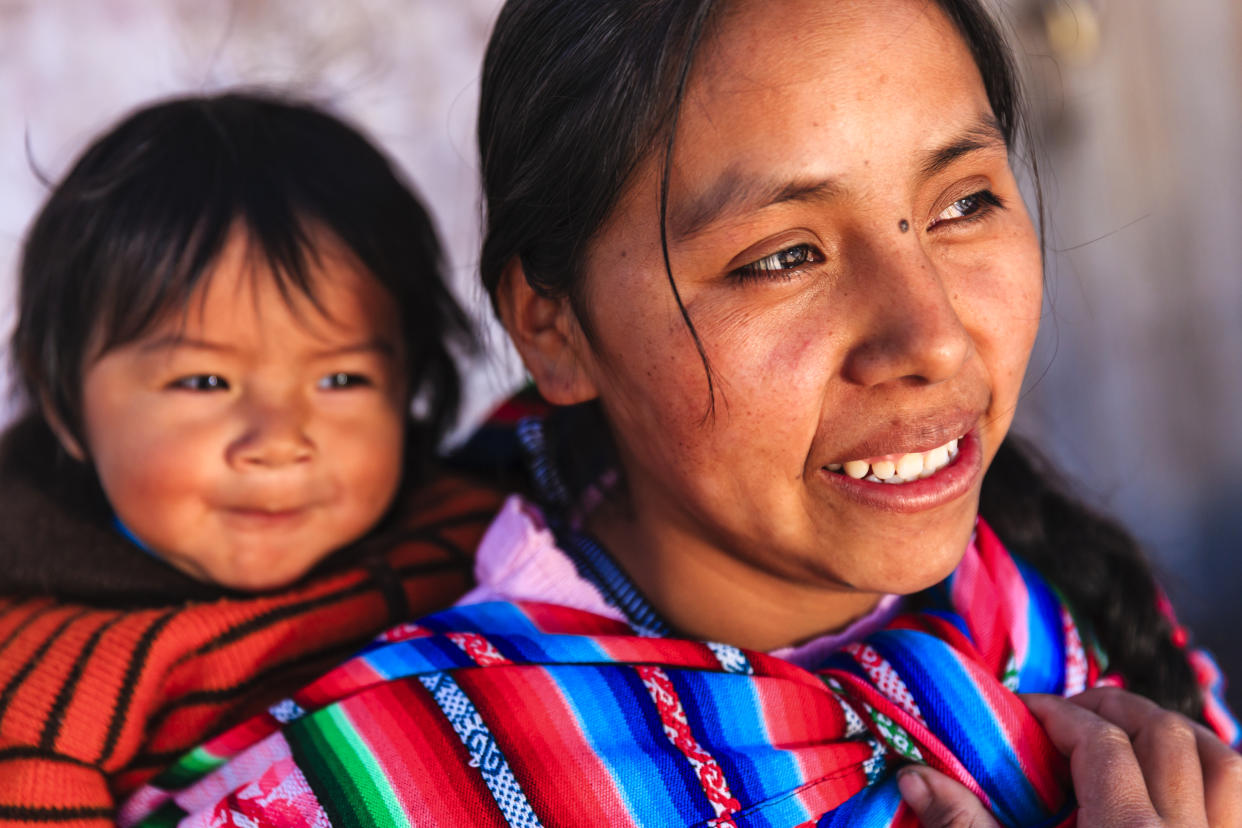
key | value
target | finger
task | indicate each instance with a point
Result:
(1166, 746)
(940, 802)
(1222, 779)
(1107, 777)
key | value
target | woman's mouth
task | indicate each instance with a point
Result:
(912, 481)
(902, 468)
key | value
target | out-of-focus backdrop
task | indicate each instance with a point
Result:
(1136, 385)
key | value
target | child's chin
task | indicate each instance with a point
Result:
(254, 570)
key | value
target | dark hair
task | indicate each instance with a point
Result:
(576, 95)
(137, 223)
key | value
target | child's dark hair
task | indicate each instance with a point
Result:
(576, 95)
(137, 223)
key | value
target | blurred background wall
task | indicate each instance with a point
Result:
(1136, 385)
(1136, 382)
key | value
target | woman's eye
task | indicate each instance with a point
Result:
(975, 205)
(342, 379)
(781, 264)
(201, 382)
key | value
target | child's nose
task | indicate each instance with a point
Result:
(909, 326)
(273, 435)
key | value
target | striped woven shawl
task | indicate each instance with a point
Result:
(533, 714)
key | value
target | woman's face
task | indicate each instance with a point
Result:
(851, 246)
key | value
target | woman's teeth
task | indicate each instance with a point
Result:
(907, 467)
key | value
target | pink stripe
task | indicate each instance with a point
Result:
(241, 769)
(1010, 590)
(965, 593)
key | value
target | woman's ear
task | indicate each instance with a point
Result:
(548, 337)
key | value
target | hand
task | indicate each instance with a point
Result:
(1132, 762)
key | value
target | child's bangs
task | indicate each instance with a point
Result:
(168, 266)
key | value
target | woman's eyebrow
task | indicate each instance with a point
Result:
(984, 133)
(736, 192)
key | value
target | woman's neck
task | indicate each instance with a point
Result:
(705, 592)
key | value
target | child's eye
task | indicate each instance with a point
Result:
(974, 206)
(201, 382)
(780, 265)
(342, 379)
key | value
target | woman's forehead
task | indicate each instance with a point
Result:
(795, 96)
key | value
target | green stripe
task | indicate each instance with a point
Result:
(166, 816)
(340, 768)
(190, 768)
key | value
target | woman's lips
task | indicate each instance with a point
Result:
(946, 484)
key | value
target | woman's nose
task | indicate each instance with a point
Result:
(273, 435)
(909, 329)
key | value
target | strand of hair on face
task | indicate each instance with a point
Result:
(695, 34)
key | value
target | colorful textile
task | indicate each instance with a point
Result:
(518, 559)
(95, 699)
(534, 714)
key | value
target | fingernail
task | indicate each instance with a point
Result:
(913, 788)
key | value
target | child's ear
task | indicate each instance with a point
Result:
(548, 337)
(64, 436)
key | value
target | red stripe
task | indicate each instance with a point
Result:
(933, 750)
(422, 757)
(809, 724)
(553, 618)
(352, 676)
(537, 731)
(669, 652)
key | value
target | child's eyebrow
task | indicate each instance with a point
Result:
(168, 342)
(378, 345)
(171, 341)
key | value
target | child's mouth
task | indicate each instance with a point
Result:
(902, 468)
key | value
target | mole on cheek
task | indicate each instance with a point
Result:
(903, 225)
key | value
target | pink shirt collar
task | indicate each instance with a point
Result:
(518, 560)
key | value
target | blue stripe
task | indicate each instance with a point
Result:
(418, 655)
(872, 807)
(491, 618)
(560, 649)
(1044, 668)
(954, 709)
(619, 721)
(724, 714)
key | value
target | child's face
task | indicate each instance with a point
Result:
(245, 439)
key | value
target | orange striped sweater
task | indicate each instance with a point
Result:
(94, 700)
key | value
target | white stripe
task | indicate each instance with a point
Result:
(484, 752)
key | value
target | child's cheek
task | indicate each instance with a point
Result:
(151, 459)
